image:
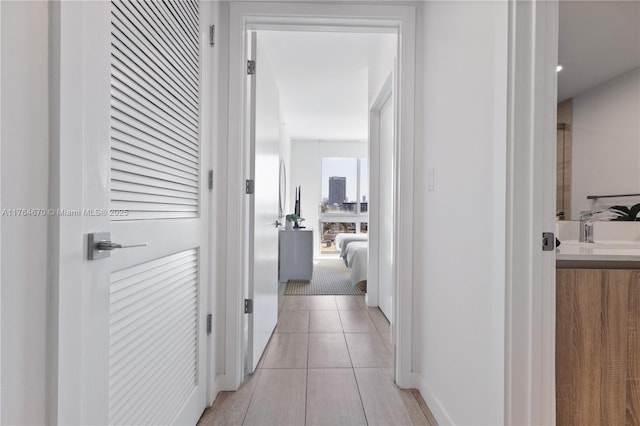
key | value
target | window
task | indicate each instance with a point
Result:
(344, 204)
(329, 232)
(345, 186)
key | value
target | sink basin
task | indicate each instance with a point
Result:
(617, 244)
(611, 245)
(612, 254)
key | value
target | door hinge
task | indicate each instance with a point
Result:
(248, 306)
(251, 67)
(210, 180)
(249, 186)
(212, 35)
(548, 241)
(209, 323)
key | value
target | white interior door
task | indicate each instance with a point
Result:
(264, 159)
(140, 154)
(156, 327)
(385, 274)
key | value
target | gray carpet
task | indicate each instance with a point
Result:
(330, 276)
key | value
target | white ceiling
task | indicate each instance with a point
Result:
(322, 76)
(322, 79)
(599, 40)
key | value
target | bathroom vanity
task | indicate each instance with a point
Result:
(598, 333)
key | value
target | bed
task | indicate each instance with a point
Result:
(343, 239)
(356, 258)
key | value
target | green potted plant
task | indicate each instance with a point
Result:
(293, 221)
(627, 214)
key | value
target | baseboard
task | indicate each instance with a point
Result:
(214, 390)
(442, 417)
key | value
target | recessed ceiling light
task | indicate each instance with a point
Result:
(558, 68)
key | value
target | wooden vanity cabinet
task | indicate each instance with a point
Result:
(598, 347)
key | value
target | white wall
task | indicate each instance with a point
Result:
(458, 327)
(606, 142)
(25, 157)
(306, 171)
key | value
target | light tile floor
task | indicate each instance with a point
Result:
(328, 363)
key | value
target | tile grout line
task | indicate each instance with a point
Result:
(392, 360)
(383, 337)
(306, 384)
(353, 370)
(261, 366)
(263, 359)
(244, 418)
(355, 377)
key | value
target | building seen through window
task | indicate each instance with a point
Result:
(345, 194)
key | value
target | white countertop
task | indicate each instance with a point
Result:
(603, 254)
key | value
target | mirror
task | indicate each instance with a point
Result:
(598, 137)
(282, 190)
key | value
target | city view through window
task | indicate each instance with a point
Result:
(344, 205)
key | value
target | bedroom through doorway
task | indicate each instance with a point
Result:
(327, 83)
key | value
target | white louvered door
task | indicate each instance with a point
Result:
(131, 328)
(156, 316)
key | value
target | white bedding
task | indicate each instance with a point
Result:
(342, 244)
(343, 239)
(356, 257)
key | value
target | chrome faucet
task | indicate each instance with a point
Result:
(586, 227)
(586, 223)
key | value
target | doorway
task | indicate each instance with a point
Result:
(311, 109)
(246, 17)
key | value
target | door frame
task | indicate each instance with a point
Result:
(322, 17)
(530, 210)
(373, 281)
(75, 80)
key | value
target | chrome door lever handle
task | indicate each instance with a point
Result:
(108, 245)
(277, 223)
(99, 245)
